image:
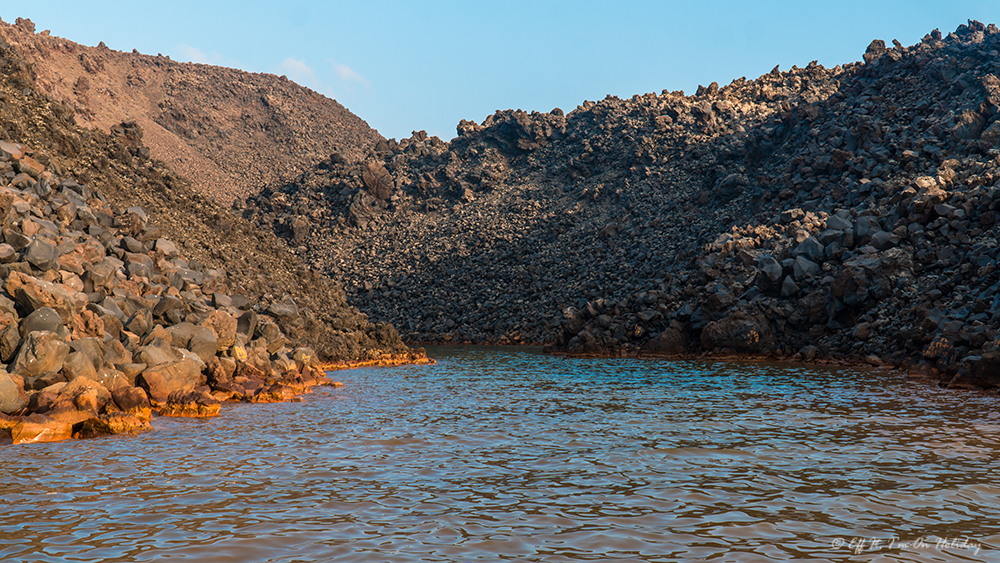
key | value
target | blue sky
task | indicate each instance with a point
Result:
(405, 66)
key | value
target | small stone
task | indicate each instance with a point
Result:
(167, 248)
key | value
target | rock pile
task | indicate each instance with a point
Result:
(103, 319)
(813, 213)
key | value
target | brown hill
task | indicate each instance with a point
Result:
(227, 131)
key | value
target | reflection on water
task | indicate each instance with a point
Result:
(502, 454)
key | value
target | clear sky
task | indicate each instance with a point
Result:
(411, 65)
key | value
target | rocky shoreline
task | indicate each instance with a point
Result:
(103, 320)
(125, 292)
(845, 213)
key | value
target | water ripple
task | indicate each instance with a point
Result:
(509, 455)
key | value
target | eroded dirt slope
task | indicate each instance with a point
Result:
(227, 131)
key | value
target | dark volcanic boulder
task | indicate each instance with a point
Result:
(671, 341)
(45, 318)
(742, 334)
(40, 352)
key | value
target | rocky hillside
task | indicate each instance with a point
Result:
(227, 131)
(255, 265)
(809, 213)
(103, 319)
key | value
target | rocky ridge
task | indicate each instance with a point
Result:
(809, 214)
(228, 131)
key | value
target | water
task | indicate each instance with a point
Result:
(510, 455)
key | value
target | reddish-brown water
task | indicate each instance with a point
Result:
(510, 455)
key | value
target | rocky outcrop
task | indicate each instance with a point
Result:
(814, 213)
(225, 130)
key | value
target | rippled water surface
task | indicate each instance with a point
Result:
(505, 454)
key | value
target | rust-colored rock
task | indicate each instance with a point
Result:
(37, 428)
(33, 293)
(190, 403)
(109, 424)
(224, 326)
(162, 380)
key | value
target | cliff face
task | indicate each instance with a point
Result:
(227, 131)
(815, 212)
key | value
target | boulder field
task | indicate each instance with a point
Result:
(103, 320)
(845, 213)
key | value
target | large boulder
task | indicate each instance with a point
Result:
(272, 334)
(157, 353)
(45, 318)
(739, 333)
(670, 342)
(40, 428)
(224, 326)
(132, 400)
(33, 294)
(162, 380)
(11, 395)
(72, 402)
(40, 352)
(204, 343)
(112, 423)
(78, 364)
(191, 403)
(41, 254)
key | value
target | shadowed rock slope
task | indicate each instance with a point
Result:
(227, 131)
(313, 310)
(812, 213)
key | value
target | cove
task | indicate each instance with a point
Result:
(509, 454)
